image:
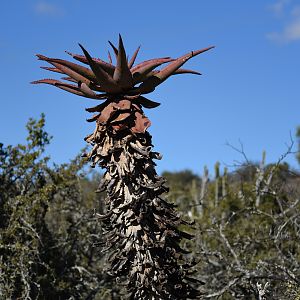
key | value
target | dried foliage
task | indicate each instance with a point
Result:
(141, 227)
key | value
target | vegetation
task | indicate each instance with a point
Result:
(46, 225)
(246, 244)
(247, 222)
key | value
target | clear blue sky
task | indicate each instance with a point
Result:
(249, 90)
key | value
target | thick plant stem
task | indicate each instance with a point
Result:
(142, 232)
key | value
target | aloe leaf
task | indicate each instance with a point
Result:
(150, 61)
(114, 48)
(186, 71)
(67, 87)
(152, 82)
(104, 79)
(109, 68)
(52, 69)
(109, 57)
(69, 79)
(122, 74)
(147, 103)
(71, 73)
(140, 74)
(93, 118)
(98, 108)
(133, 58)
(86, 90)
(175, 65)
(75, 67)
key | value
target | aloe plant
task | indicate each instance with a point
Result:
(142, 234)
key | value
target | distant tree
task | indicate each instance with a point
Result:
(246, 245)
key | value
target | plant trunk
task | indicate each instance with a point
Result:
(141, 228)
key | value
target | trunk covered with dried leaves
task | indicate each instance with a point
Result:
(141, 226)
(142, 232)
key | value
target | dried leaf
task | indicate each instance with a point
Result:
(141, 123)
(106, 113)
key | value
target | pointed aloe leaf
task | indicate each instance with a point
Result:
(98, 108)
(47, 81)
(122, 75)
(69, 79)
(133, 58)
(86, 90)
(150, 61)
(152, 82)
(75, 67)
(52, 69)
(150, 74)
(114, 48)
(109, 68)
(175, 65)
(71, 73)
(186, 71)
(179, 71)
(140, 74)
(71, 90)
(93, 118)
(109, 57)
(74, 89)
(75, 77)
(104, 79)
(67, 87)
(56, 82)
(147, 103)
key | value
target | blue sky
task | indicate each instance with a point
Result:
(249, 90)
